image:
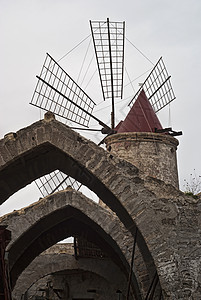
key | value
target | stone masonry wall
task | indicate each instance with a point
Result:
(154, 154)
(60, 258)
(168, 220)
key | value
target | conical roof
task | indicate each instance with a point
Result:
(141, 117)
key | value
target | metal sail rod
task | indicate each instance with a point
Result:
(123, 60)
(75, 248)
(55, 189)
(111, 69)
(97, 58)
(99, 121)
(155, 278)
(131, 266)
(88, 129)
(159, 87)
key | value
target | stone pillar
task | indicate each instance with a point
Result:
(153, 153)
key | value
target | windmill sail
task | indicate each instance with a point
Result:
(57, 92)
(157, 87)
(54, 182)
(108, 39)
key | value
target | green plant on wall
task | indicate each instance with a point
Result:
(192, 186)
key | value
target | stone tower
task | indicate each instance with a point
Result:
(137, 142)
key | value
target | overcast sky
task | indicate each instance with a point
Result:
(171, 29)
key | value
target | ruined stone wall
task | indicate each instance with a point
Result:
(58, 266)
(24, 222)
(77, 284)
(168, 221)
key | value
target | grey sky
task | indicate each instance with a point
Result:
(171, 29)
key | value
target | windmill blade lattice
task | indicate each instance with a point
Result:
(157, 87)
(57, 92)
(54, 182)
(108, 39)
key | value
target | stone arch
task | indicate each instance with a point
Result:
(51, 262)
(58, 216)
(48, 145)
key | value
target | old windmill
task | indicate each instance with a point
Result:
(57, 92)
